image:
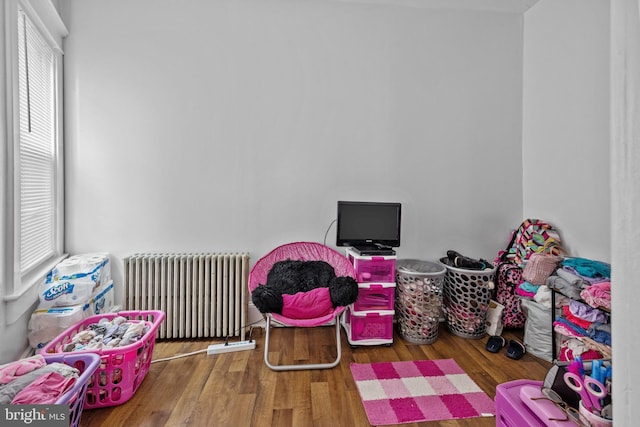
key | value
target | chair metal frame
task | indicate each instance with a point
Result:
(303, 366)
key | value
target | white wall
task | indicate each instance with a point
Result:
(581, 102)
(566, 122)
(238, 125)
(625, 207)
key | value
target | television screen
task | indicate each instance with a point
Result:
(368, 224)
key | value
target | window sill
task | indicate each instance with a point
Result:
(17, 304)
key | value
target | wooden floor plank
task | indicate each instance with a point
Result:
(238, 389)
(263, 413)
(321, 408)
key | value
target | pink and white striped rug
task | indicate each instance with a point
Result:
(419, 390)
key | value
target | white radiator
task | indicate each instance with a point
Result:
(202, 295)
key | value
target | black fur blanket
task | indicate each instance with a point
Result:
(292, 276)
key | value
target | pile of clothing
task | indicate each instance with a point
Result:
(117, 332)
(588, 285)
(582, 304)
(33, 381)
(535, 276)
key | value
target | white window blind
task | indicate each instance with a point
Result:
(37, 146)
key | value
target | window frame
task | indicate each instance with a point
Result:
(19, 291)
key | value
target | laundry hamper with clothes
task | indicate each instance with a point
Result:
(121, 369)
(467, 294)
(87, 364)
(419, 289)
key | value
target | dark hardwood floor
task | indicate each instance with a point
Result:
(238, 389)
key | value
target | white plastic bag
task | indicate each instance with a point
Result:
(494, 318)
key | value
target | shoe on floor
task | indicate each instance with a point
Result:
(515, 350)
(495, 343)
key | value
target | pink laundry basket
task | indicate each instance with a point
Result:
(121, 369)
(86, 363)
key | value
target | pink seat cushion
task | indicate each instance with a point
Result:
(307, 305)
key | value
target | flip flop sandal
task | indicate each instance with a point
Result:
(495, 343)
(515, 350)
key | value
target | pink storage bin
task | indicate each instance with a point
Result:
(75, 397)
(375, 296)
(370, 325)
(511, 411)
(121, 369)
(373, 268)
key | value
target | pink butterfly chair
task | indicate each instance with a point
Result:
(302, 251)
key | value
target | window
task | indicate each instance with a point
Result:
(34, 187)
(37, 146)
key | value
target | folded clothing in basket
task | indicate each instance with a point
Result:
(33, 381)
(117, 332)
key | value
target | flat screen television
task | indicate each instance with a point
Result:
(368, 225)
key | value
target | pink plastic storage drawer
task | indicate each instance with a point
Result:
(370, 325)
(375, 296)
(374, 268)
(511, 411)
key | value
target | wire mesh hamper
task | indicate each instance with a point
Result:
(419, 299)
(467, 294)
(121, 369)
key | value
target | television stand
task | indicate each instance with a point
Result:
(373, 250)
